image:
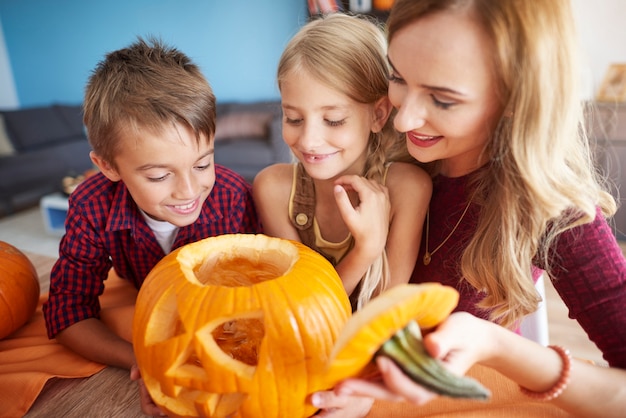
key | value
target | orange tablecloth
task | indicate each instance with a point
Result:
(506, 401)
(28, 358)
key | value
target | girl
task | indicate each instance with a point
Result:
(343, 197)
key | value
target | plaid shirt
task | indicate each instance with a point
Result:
(105, 229)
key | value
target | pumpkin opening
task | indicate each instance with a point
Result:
(233, 270)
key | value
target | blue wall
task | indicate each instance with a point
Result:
(54, 44)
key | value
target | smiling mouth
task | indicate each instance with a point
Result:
(424, 138)
(315, 157)
(185, 207)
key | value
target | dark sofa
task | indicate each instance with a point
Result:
(39, 146)
(45, 144)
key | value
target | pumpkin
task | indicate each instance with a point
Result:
(249, 326)
(238, 324)
(19, 289)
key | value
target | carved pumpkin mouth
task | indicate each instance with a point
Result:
(241, 339)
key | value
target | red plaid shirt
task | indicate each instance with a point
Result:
(105, 229)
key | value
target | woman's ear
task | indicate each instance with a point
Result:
(107, 169)
(382, 110)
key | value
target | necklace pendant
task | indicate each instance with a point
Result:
(426, 258)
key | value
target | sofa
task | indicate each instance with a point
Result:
(39, 146)
(248, 136)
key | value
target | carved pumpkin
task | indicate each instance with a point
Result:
(19, 289)
(245, 326)
(238, 324)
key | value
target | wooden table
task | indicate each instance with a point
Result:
(109, 393)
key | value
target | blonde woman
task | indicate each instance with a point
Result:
(486, 92)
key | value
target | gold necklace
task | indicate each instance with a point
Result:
(427, 254)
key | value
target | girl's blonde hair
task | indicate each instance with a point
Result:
(349, 54)
(540, 180)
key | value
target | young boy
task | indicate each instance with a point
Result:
(150, 117)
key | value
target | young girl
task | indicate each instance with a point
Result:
(344, 198)
(487, 94)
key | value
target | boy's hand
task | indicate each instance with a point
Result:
(148, 406)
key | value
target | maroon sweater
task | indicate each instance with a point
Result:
(590, 276)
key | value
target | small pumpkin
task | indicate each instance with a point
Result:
(19, 289)
(250, 326)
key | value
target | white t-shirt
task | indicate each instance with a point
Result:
(164, 232)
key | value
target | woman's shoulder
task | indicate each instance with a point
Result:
(401, 174)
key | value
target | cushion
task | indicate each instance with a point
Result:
(6, 147)
(33, 128)
(72, 115)
(242, 125)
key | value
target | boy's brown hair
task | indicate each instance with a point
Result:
(145, 86)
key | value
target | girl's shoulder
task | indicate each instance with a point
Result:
(274, 175)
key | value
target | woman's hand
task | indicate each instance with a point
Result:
(454, 343)
(333, 405)
(148, 406)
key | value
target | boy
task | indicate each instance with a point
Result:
(150, 117)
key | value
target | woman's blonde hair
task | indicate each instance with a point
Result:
(540, 179)
(349, 54)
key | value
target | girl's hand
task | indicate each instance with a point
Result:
(368, 221)
(333, 405)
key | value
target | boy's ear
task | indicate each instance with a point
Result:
(106, 168)
(382, 110)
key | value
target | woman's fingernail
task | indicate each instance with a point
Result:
(315, 400)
